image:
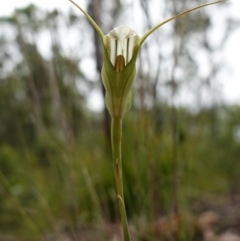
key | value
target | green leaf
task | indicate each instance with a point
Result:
(124, 219)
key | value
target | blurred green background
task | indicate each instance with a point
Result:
(180, 158)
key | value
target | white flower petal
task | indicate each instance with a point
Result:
(124, 43)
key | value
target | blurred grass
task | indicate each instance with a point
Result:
(53, 186)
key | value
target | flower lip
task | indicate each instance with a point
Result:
(119, 63)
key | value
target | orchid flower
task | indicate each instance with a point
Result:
(121, 47)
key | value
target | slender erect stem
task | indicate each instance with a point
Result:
(116, 137)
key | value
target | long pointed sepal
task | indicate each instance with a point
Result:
(144, 37)
(99, 31)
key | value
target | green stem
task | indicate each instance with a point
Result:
(116, 137)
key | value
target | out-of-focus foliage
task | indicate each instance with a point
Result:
(55, 164)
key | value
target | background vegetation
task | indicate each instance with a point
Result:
(179, 160)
